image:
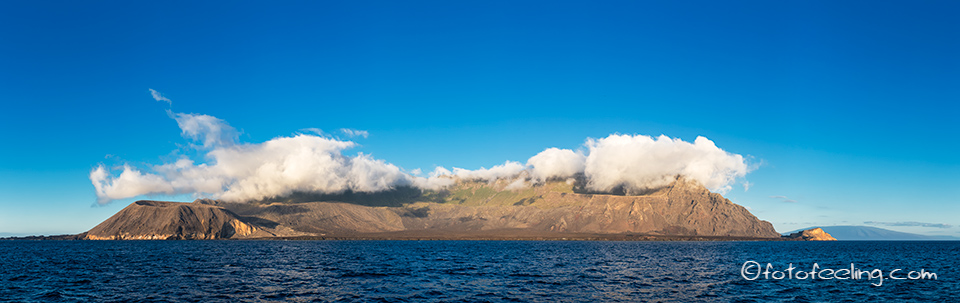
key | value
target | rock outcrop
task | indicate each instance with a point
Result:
(814, 234)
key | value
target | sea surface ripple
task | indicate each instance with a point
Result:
(462, 271)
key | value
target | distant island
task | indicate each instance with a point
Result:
(869, 233)
(552, 210)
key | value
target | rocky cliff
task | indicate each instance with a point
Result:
(156, 220)
(684, 208)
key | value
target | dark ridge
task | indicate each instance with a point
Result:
(156, 203)
(396, 197)
(580, 186)
(405, 195)
(421, 212)
(259, 221)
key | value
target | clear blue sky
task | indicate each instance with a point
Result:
(850, 108)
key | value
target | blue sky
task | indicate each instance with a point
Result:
(849, 108)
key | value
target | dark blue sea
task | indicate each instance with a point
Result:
(475, 271)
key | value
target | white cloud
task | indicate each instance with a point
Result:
(278, 167)
(440, 171)
(506, 170)
(432, 183)
(210, 131)
(157, 96)
(130, 183)
(438, 179)
(236, 171)
(353, 133)
(519, 183)
(317, 131)
(556, 163)
(642, 162)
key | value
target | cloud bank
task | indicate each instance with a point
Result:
(556, 163)
(235, 171)
(506, 170)
(278, 167)
(641, 162)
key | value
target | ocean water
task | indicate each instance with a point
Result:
(473, 271)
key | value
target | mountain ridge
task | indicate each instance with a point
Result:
(683, 208)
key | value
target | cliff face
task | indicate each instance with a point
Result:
(155, 220)
(684, 208)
